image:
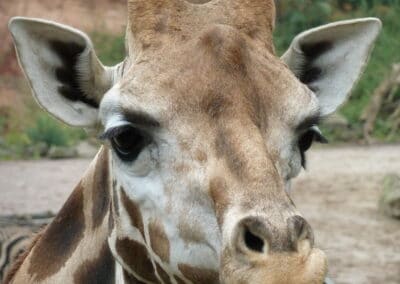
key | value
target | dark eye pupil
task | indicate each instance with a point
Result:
(306, 140)
(129, 143)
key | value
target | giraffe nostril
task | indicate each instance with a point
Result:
(253, 242)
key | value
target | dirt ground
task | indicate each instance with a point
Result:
(338, 195)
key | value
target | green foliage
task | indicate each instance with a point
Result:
(109, 48)
(48, 130)
(295, 16)
(43, 132)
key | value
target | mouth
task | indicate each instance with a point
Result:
(276, 268)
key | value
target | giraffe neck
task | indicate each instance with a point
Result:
(73, 248)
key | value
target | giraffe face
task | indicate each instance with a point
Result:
(201, 163)
(206, 127)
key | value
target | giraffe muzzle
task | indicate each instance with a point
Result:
(256, 235)
(276, 251)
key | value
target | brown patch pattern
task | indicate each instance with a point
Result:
(130, 279)
(159, 240)
(179, 280)
(100, 192)
(99, 270)
(21, 258)
(60, 239)
(163, 275)
(135, 255)
(133, 210)
(199, 275)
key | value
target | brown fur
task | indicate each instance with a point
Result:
(188, 232)
(199, 275)
(101, 185)
(159, 240)
(21, 258)
(60, 239)
(228, 149)
(218, 193)
(217, 71)
(99, 270)
(130, 279)
(135, 216)
(179, 280)
(136, 257)
(163, 275)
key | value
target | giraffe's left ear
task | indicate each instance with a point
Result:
(331, 58)
(66, 77)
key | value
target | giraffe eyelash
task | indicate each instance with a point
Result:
(114, 131)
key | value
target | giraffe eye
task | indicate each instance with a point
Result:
(128, 142)
(306, 140)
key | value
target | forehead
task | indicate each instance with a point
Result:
(220, 73)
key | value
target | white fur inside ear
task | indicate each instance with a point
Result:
(331, 58)
(72, 98)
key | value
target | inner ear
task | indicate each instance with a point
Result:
(309, 71)
(68, 73)
(66, 77)
(331, 58)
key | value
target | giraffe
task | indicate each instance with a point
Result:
(203, 128)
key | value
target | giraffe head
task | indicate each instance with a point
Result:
(206, 127)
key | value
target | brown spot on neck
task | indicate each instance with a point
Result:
(99, 270)
(179, 280)
(21, 258)
(135, 216)
(130, 279)
(60, 239)
(136, 257)
(100, 192)
(199, 275)
(163, 275)
(159, 240)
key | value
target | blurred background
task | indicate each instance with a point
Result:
(350, 192)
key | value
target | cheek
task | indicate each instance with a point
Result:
(143, 165)
(294, 164)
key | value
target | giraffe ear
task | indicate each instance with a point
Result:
(65, 75)
(331, 58)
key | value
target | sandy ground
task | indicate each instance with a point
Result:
(338, 195)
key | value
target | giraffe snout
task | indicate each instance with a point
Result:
(256, 235)
(274, 251)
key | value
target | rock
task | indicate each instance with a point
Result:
(86, 149)
(389, 202)
(59, 152)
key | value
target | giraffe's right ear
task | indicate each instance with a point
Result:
(66, 77)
